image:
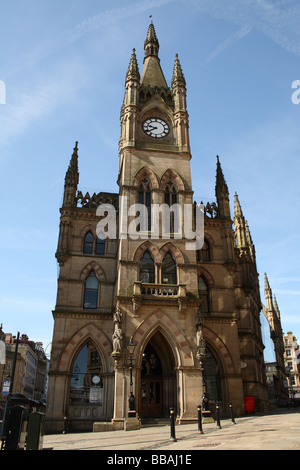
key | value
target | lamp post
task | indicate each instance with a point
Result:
(201, 355)
(131, 411)
(290, 388)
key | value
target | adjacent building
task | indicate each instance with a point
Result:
(30, 368)
(292, 364)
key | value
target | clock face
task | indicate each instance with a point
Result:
(156, 127)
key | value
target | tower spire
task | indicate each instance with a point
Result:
(178, 77)
(71, 178)
(152, 75)
(237, 207)
(133, 68)
(222, 193)
(268, 294)
(239, 224)
(276, 307)
(250, 243)
(151, 44)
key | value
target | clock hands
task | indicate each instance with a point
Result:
(155, 127)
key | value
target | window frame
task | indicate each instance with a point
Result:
(175, 274)
(145, 198)
(153, 273)
(100, 242)
(205, 294)
(90, 290)
(171, 199)
(88, 243)
(204, 255)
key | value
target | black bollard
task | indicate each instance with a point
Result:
(218, 416)
(65, 425)
(172, 423)
(200, 430)
(231, 413)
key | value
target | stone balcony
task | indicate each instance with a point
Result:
(165, 292)
(162, 290)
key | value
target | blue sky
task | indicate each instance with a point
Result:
(64, 66)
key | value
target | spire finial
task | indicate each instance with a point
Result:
(71, 178)
(151, 44)
(73, 166)
(133, 68)
(267, 285)
(237, 206)
(221, 185)
(178, 77)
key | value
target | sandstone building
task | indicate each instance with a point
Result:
(292, 363)
(153, 292)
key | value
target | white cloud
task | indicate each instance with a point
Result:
(88, 25)
(109, 16)
(278, 20)
(241, 33)
(288, 291)
(26, 107)
(280, 280)
(23, 238)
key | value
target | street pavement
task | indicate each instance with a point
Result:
(277, 430)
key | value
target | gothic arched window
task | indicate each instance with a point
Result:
(147, 269)
(91, 291)
(204, 254)
(170, 200)
(169, 270)
(213, 382)
(86, 381)
(206, 251)
(100, 246)
(145, 200)
(88, 243)
(203, 295)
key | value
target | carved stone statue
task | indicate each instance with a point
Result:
(118, 315)
(117, 338)
(199, 336)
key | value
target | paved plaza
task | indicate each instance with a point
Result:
(277, 430)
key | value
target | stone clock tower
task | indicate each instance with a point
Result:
(132, 311)
(154, 159)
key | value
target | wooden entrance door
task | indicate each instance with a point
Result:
(151, 397)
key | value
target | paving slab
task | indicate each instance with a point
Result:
(277, 430)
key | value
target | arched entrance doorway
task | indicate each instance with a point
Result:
(158, 379)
